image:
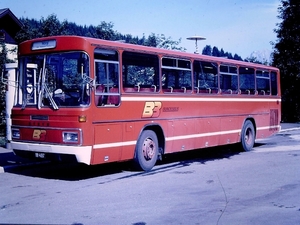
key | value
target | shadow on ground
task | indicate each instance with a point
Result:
(75, 172)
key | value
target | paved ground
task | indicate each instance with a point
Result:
(8, 159)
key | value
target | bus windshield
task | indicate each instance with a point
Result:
(54, 80)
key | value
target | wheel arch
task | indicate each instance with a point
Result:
(157, 129)
(252, 120)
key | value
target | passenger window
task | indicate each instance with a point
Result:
(205, 77)
(176, 75)
(140, 72)
(274, 90)
(262, 82)
(228, 79)
(247, 80)
(107, 92)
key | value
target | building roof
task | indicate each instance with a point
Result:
(9, 26)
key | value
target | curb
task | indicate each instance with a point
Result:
(289, 129)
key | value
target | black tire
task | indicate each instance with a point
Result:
(146, 151)
(248, 136)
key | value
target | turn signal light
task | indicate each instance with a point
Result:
(82, 118)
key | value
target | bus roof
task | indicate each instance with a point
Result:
(80, 43)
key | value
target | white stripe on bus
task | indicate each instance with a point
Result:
(191, 99)
(269, 127)
(114, 144)
(181, 137)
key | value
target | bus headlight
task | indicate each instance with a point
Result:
(70, 137)
(15, 133)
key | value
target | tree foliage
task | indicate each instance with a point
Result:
(208, 50)
(168, 43)
(51, 26)
(286, 57)
(3, 60)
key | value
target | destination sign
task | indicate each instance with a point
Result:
(39, 45)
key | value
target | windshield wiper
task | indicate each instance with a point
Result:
(44, 88)
(26, 98)
(49, 96)
(41, 84)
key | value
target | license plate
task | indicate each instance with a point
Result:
(40, 155)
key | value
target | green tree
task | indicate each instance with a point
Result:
(286, 57)
(168, 43)
(237, 57)
(207, 50)
(222, 53)
(3, 60)
(105, 31)
(252, 59)
(215, 52)
(151, 40)
(52, 26)
(28, 31)
(228, 55)
(45, 27)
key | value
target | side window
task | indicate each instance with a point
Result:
(228, 79)
(176, 75)
(205, 77)
(262, 82)
(140, 72)
(274, 85)
(247, 80)
(107, 90)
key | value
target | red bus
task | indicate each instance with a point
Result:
(98, 101)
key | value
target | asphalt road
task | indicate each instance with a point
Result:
(211, 186)
(9, 161)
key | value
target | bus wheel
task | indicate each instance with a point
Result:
(248, 136)
(146, 151)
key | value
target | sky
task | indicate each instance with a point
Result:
(237, 26)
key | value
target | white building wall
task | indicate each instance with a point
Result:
(12, 55)
(10, 71)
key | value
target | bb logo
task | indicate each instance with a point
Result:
(39, 135)
(151, 109)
